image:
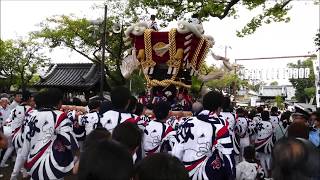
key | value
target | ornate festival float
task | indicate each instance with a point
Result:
(168, 60)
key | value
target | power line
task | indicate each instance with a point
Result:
(279, 57)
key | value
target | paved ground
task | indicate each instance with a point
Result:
(7, 172)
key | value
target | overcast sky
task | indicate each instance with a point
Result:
(18, 18)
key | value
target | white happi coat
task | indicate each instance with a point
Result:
(242, 126)
(89, 121)
(17, 123)
(111, 119)
(204, 146)
(274, 121)
(264, 140)
(155, 134)
(257, 118)
(49, 144)
(230, 118)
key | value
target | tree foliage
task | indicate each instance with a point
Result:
(228, 81)
(279, 102)
(274, 83)
(19, 62)
(272, 11)
(304, 87)
(83, 37)
(317, 40)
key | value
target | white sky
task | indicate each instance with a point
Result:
(18, 18)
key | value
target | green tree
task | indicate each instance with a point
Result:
(83, 37)
(228, 81)
(137, 82)
(274, 83)
(304, 87)
(20, 61)
(256, 86)
(8, 55)
(272, 11)
(279, 102)
(317, 40)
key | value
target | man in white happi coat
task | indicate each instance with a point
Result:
(204, 144)
(50, 145)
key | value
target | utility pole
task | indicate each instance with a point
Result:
(103, 44)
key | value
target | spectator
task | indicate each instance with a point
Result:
(314, 135)
(160, 167)
(153, 24)
(129, 135)
(16, 101)
(97, 135)
(249, 169)
(295, 159)
(4, 109)
(281, 130)
(299, 117)
(105, 160)
(298, 129)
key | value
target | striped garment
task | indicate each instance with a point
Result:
(265, 138)
(89, 121)
(230, 118)
(79, 131)
(111, 119)
(158, 137)
(49, 145)
(274, 121)
(17, 123)
(205, 147)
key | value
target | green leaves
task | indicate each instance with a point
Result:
(169, 10)
(19, 61)
(317, 40)
(279, 102)
(304, 87)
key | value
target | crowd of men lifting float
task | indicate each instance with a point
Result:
(124, 139)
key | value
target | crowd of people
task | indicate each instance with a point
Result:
(120, 139)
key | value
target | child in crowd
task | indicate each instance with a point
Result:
(249, 169)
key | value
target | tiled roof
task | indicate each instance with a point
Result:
(71, 76)
(272, 91)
